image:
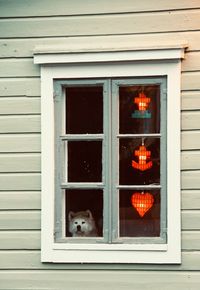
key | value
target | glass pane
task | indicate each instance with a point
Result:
(84, 213)
(139, 109)
(139, 213)
(84, 161)
(139, 162)
(84, 110)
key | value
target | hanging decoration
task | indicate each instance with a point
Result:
(142, 102)
(142, 202)
(143, 155)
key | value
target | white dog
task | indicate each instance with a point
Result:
(82, 224)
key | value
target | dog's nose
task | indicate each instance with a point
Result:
(78, 228)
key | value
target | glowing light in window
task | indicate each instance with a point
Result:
(142, 202)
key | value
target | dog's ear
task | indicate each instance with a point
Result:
(89, 214)
(70, 215)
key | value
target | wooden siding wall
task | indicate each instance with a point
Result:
(25, 24)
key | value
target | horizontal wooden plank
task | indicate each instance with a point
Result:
(190, 179)
(18, 68)
(190, 120)
(100, 25)
(20, 163)
(190, 81)
(19, 87)
(190, 140)
(99, 280)
(26, 8)
(21, 240)
(20, 181)
(191, 220)
(20, 220)
(30, 240)
(190, 100)
(20, 200)
(190, 160)
(20, 143)
(20, 124)
(190, 240)
(31, 260)
(191, 61)
(19, 105)
(24, 48)
(190, 199)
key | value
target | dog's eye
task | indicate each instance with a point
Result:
(76, 223)
(83, 223)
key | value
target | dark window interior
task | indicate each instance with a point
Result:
(84, 110)
(84, 161)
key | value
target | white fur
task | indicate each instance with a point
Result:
(82, 224)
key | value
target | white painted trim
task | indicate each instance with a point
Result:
(110, 66)
(108, 56)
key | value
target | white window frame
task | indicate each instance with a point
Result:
(149, 62)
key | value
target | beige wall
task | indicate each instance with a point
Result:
(24, 25)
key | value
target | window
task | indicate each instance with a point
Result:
(111, 153)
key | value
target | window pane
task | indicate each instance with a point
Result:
(84, 161)
(139, 213)
(84, 110)
(139, 109)
(84, 213)
(139, 162)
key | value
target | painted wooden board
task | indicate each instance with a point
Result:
(21, 240)
(190, 120)
(190, 240)
(190, 140)
(98, 280)
(190, 179)
(10, 8)
(190, 199)
(191, 220)
(19, 87)
(20, 220)
(20, 124)
(190, 160)
(18, 68)
(20, 162)
(24, 48)
(19, 200)
(30, 240)
(14, 143)
(100, 25)
(31, 260)
(191, 61)
(190, 81)
(19, 105)
(20, 181)
(190, 100)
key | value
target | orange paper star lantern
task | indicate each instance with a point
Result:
(142, 202)
(142, 101)
(143, 154)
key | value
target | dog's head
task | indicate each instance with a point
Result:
(81, 223)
